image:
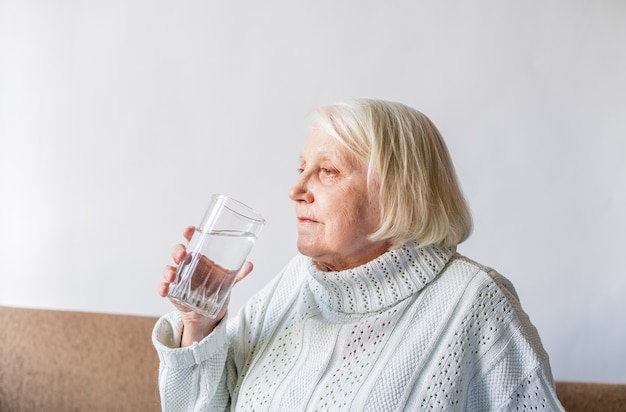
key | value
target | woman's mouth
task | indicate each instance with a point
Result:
(304, 219)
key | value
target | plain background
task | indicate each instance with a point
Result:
(118, 119)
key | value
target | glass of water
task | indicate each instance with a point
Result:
(217, 251)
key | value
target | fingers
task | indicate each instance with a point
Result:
(169, 275)
(245, 271)
(188, 232)
(178, 253)
(163, 289)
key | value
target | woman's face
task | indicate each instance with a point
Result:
(334, 211)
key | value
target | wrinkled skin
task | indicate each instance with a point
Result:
(335, 211)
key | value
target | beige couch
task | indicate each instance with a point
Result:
(73, 361)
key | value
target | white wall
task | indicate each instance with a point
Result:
(118, 119)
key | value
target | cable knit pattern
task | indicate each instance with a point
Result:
(414, 329)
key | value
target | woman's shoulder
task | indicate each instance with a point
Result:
(487, 297)
(472, 272)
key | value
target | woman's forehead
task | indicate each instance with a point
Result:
(321, 144)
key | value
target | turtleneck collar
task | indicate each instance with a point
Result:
(380, 283)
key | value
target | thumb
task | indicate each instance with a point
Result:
(244, 271)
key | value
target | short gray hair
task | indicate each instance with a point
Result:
(420, 197)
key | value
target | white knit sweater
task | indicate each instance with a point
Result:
(414, 329)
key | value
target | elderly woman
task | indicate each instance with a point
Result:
(378, 312)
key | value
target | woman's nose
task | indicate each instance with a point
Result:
(300, 190)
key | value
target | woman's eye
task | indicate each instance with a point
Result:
(328, 172)
(299, 170)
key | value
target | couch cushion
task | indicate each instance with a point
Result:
(74, 361)
(588, 396)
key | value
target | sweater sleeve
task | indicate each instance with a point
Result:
(514, 374)
(191, 378)
(535, 392)
(205, 376)
(509, 386)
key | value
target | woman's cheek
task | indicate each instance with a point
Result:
(350, 206)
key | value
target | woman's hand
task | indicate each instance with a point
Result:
(195, 325)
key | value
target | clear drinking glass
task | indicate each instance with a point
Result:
(217, 251)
